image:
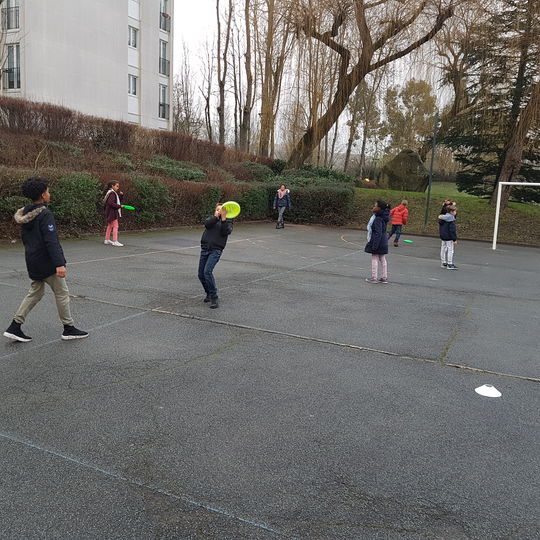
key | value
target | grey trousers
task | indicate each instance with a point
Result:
(35, 294)
(281, 211)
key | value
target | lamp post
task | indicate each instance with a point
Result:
(436, 127)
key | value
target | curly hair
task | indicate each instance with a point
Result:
(33, 188)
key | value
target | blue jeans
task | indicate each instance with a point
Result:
(395, 229)
(207, 262)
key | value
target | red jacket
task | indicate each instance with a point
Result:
(399, 215)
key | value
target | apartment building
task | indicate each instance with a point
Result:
(108, 58)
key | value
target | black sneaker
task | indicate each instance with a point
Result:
(70, 332)
(14, 332)
(214, 303)
(207, 299)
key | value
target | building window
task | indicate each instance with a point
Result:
(12, 71)
(164, 64)
(164, 16)
(133, 37)
(163, 102)
(132, 85)
(10, 15)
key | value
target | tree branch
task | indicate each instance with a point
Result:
(441, 19)
(395, 27)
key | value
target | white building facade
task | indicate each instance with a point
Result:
(107, 58)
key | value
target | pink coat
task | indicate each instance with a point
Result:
(399, 215)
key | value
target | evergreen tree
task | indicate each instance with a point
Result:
(502, 66)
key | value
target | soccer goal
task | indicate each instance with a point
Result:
(498, 210)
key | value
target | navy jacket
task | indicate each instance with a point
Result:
(283, 201)
(378, 243)
(447, 227)
(42, 249)
(216, 233)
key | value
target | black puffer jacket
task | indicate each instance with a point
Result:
(216, 233)
(42, 249)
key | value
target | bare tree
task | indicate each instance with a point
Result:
(206, 89)
(381, 27)
(187, 116)
(223, 43)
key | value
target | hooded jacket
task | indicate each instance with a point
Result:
(399, 215)
(447, 227)
(378, 242)
(42, 250)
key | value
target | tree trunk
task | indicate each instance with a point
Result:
(245, 124)
(514, 149)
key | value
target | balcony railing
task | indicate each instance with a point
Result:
(10, 18)
(165, 21)
(11, 78)
(164, 111)
(164, 66)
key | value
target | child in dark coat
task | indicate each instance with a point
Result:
(45, 261)
(282, 201)
(217, 229)
(378, 242)
(448, 234)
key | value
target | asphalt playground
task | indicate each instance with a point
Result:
(310, 405)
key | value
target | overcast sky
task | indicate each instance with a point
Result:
(195, 21)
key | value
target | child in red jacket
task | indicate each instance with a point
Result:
(399, 216)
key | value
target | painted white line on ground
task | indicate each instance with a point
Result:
(151, 487)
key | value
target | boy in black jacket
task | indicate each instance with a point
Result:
(45, 261)
(448, 234)
(213, 241)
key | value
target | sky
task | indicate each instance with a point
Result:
(195, 22)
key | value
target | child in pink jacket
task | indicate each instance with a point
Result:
(399, 216)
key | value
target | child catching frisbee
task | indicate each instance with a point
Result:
(217, 229)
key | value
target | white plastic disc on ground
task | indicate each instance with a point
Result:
(487, 390)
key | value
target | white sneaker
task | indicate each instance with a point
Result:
(107, 242)
(117, 244)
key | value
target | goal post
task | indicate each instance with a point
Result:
(498, 210)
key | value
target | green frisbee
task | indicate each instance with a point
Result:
(233, 209)
(126, 207)
(409, 241)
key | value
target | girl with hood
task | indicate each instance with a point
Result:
(378, 242)
(282, 200)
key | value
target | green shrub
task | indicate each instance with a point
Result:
(278, 165)
(180, 170)
(152, 199)
(73, 199)
(310, 171)
(123, 160)
(250, 171)
(9, 205)
(255, 201)
(329, 205)
(67, 148)
(210, 197)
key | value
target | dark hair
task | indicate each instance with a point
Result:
(34, 188)
(383, 205)
(111, 184)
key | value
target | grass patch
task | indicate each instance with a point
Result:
(475, 219)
